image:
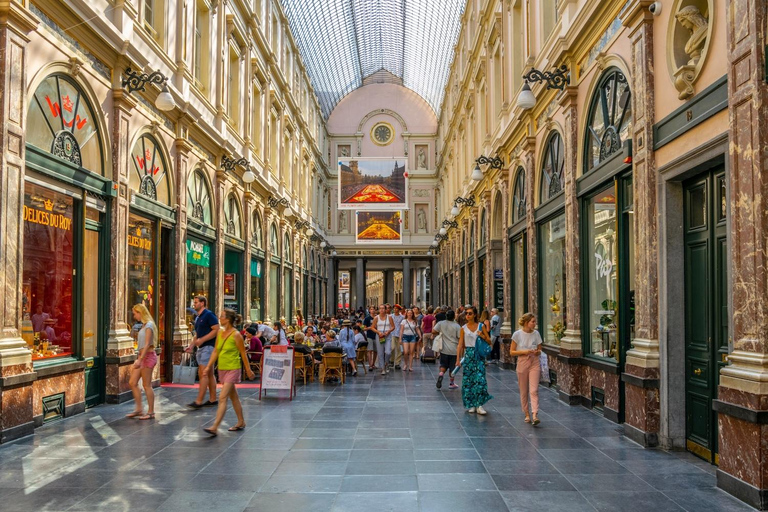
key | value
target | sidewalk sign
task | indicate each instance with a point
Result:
(277, 369)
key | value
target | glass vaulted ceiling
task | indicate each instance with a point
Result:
(348, 43)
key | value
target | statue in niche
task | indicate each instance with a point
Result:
(421, 221)
(342, 222)
(343, 151)
(693, 21)
(421, 159)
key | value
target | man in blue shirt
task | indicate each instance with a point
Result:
(204, 338)
(496, 321)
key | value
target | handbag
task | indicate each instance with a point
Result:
(185, 373)
(437, 343)
(483, 349)
(544, 363)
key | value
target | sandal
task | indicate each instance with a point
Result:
(134, 414)
(148, 416)
(527, 419)
(236, 428)
(211, 431)
(536, 420)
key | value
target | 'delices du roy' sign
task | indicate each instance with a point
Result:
(47, 218)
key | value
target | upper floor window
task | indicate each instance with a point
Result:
(552, 167)
(154, 19)
(234, 88)
(199, 198)
(149, 171)
(518, 196)
(609, 119)
(202, 44)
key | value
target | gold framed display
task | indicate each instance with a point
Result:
(382, 134)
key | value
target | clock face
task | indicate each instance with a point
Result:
(382, 134)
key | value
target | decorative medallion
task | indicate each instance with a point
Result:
(197, 212)
(148, 187)
(65, 146)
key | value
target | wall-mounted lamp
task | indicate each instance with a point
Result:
(303, 224)
(229, 164)
(470, 201)
(556, 79)
(135, 81)
(448, 224)
(495, 162)
(274, 202)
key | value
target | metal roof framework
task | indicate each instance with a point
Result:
(347, 43)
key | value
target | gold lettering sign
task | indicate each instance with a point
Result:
(50, 219)
(139, 242)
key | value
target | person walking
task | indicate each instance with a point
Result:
(410, 332)
(144, 364)
(496, 321)
(206, 330)
(526, 345)
(383, 325)
(474, 387)
(347, 340)
(229, 351)
(427, 324)
(370, 334)
(397, 347)
(450, 332)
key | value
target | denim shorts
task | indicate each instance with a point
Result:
(204, 355)
(409, 338)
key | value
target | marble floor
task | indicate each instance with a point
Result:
(376, 443)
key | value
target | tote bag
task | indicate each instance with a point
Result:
(437, 343)
(482, 347)
(185, 373)
(544, 362)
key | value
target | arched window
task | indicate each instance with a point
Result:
(552, 167)
(256, 232)
(483, 228)
(287, 252)
(463, 247)
(312, 261)
(472, 238)
(199, 198)
(304, 258)
(518, 196)
(609, 120)
(232, 223)
(148, 171)
(61, 121)
(274, 241)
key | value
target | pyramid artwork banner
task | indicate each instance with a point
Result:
(378, 227)
(373, 183)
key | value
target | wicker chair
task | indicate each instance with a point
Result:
(332, 366)
(361, 356)
(254, 360)
(303, 370)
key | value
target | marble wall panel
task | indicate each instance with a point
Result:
(71, 384)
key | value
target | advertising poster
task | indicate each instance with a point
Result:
(344, 281)
(229, 286)
(378, 227)
(277, 368)
(373, 183)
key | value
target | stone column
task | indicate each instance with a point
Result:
(219, 196)
(641, 377)
(331, 297)
(743, 392)
(120, 351)
(360, 288)
(506, 264)
(16, 372)
(434, 282)
(407, 283)
(248, 209)
(532, 262)
(570, 345)
(389, 286)
(268, 314)
(181, 333)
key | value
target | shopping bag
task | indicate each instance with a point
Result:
(437, 343)
(544, 362)
(185, 372)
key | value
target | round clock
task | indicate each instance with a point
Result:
(382, 133)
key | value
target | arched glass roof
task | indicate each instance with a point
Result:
(346, 44)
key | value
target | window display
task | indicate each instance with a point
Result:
(553, 310)
(518, 267)
(602, 273)
(141, 265)
(198, 275)
(273, 290)
(49, 243)
(257, 290)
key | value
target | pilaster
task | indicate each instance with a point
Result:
(532, 262)
(181, 334)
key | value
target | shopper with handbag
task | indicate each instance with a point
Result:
(384, 326)
(474, 386)
(145, 362)
(410, 333)
(526, 345)
(229, 351)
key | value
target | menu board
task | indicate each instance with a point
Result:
(277, 369)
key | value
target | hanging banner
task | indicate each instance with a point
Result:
(277, 369)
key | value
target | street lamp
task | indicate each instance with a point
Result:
(229, 164)
(323, 244)
(556, 79)
(135, 81)
(496, 163)
(274, 202)
(470, 201)
(443, 231)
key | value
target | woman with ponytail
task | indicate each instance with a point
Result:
(526, 345)
(230, 352)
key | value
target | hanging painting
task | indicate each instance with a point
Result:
(373, 183)
(378, 227)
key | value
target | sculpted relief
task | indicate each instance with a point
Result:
(689, 32)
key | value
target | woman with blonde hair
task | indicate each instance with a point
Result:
(144, 364)
(526, 345)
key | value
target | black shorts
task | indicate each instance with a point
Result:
(447, 361)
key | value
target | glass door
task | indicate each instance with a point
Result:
(93, 312)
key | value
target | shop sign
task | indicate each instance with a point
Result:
(498, 294)
(47, 218)
(229, 286)
(498, 273)
(198, 253)
(255, 268)
(138, 241)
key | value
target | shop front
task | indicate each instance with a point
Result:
(150, 233)
(273, 305)
(518, 251)
(200, 244)
(256, 312)
(65, 252)
(286, 311)
(234, 252)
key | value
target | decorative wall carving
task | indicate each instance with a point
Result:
(690, 30)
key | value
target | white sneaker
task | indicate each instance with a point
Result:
(471, 410)
(482, 411)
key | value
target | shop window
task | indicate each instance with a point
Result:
(149, 171)
(552, 175)
(610, 119)
(274, 290)
(602, 274)
(61, 121)
(199, 199)
(287, 252)
(257, 291)
(232, 224)
(199, 275)
(47, 282)
(141, 265)
(552, 284)
(287, 295)
(518, 196)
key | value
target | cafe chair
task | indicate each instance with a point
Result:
(254, 360)
(303, 370)
(332, 366)
(361, 356)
